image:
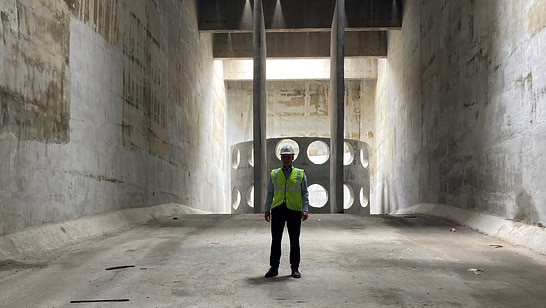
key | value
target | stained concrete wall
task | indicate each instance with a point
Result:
(300, 108)
(106, 105)
(295, 108)
(461, 104)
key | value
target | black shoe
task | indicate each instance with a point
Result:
(296, 274)
(272, 272)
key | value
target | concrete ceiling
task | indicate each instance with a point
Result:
(299, 28)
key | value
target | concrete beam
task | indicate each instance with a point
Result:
(300, 45)
(301, 15)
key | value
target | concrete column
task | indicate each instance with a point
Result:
(337, 95)
(259, 100)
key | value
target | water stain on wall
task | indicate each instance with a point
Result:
(144, 122)
(100, 15)
(134, 28)
(537, 17)
(299, 106)
(526, 209)
(35, 93)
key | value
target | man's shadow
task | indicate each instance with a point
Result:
(262, 280)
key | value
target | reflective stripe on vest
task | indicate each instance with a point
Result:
(288, 190)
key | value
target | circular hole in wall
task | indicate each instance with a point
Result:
(251, 156)
(364, 160)
(235, 157)
(250, 196)
(348, 153)
(289, 142)
(364, 202)
(348, 196)
(318, 152)
(318, 196)
(235, 198)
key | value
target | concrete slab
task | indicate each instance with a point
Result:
(220, 260)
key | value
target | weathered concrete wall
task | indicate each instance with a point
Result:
(298, 108)
(106, 105)
(34, 89)
(398, 119)
(466, 107)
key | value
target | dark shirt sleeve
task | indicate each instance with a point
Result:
(305, 194)
(269, 196)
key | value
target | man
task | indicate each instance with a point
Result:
(287, 201)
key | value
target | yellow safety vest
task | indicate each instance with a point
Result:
(287, 190)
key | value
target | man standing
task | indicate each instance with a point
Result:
(287, 201)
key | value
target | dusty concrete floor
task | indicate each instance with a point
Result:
(220, 260)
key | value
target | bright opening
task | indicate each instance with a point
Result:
(348, 197)
(318, 152)
(364, 202)
(235, 198)
(250, 196)
(318, 196)
(251, 156)
(348, 154)
(289, 142)
(235, 158)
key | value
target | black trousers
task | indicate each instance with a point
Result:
(279, 216)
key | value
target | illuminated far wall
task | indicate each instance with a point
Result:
(299, 108)
(294, 69)
(298, 98)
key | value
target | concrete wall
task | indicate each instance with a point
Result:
(106, 105)
(461, 104)
(299, 108)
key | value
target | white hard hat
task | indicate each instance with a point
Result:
(287, 150)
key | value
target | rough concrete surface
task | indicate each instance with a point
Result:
(463, 84)
(516, 233)
(35, 243)
(103, 106)
(220, 260)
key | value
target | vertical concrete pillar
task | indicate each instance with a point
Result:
(259, 99)
(337, 108)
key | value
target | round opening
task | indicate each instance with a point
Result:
(251, 156)
(250, 196)
(318, 196)
(318, 152)
(348, 197)
(348, 154)
(235, 157)
(364, 202)
(289, 142)
(364, 160)
(235, 198)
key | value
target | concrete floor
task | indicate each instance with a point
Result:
(220, 260)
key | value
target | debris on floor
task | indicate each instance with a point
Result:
(496, 246)
(476, 271)
(99, 301)
(118, 267)
(452, 230)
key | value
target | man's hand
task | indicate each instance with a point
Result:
(304, 216)
(267, 216)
